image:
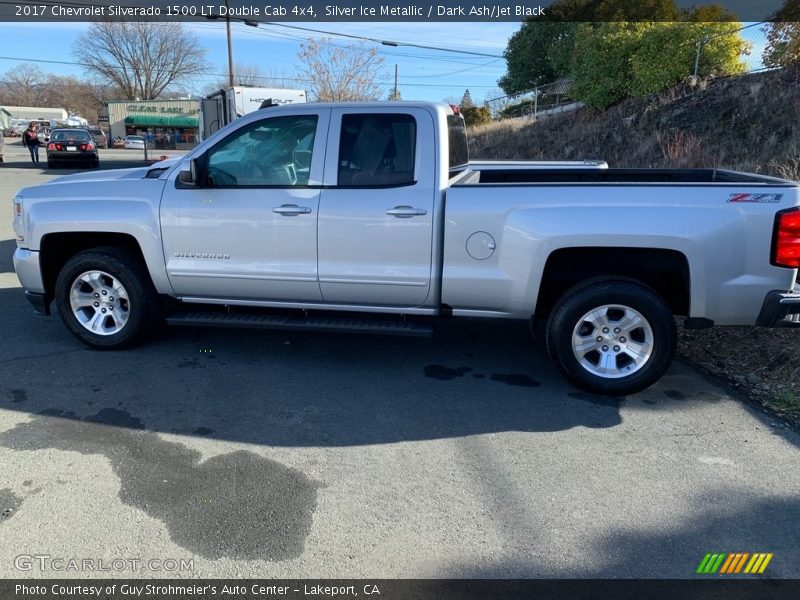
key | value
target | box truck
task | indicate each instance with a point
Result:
(226, 105)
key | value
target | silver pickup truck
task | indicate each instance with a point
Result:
(369, 217)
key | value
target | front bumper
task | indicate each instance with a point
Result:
(76, 156)
(780, 309)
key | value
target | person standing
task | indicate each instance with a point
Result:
(30, 137)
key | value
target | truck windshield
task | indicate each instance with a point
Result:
(457, 134)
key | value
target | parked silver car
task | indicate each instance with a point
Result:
(134, 142)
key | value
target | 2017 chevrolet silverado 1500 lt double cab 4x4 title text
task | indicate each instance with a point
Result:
(372, 209)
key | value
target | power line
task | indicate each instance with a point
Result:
(384, 42)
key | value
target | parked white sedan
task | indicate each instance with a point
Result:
(134, 142)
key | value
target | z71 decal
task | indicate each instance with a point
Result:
(758, 198)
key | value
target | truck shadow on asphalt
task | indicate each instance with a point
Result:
(278, 389)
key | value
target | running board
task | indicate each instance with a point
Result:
(297, 323)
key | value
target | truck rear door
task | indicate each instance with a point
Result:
(375, 227)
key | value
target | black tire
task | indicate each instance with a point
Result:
(567, 321)
(50, 164)
(142, 306)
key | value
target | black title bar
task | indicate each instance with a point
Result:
(259, 11)
(404, 589)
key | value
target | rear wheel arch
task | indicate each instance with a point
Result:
(664, 271)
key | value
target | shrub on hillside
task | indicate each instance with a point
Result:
(476, 115)
(612, 61)
(666, 54)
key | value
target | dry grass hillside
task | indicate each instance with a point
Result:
(749, 123)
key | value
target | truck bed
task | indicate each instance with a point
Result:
(612, 176)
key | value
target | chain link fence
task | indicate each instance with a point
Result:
(754, 36)
(547, 99)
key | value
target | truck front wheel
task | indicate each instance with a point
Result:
(611, 337)
(106, 299)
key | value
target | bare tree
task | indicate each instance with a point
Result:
(22, 85)
(78, 97)
(337, 73)
(252, 76)
(141, 59)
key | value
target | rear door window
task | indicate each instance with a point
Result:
(377, 150)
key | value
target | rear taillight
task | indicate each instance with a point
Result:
(786, 239)
(51, 146)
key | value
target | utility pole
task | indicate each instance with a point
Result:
(394, 94)
(230, 45)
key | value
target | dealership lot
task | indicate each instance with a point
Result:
(243, 454)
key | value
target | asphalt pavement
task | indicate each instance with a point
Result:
(270, 454)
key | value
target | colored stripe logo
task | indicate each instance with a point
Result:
(733, 563)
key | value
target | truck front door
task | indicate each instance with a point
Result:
(376, 210)
(248, 230)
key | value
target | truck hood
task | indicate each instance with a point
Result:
(114, 174)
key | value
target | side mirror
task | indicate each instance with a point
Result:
(188, 173)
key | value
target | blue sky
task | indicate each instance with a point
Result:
(423, 74)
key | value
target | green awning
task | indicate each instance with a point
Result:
(157, 121)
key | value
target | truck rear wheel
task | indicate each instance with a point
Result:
(106, 299)
(611, 337)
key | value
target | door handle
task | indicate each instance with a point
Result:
(291, 210)
(405, 212)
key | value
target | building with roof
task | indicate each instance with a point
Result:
(169, 122)
(36, 113)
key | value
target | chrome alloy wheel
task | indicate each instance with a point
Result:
(612, 341)
(99, 302)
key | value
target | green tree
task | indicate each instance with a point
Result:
(602, 62)
(466, 101)
(536, 54)
(783, 36)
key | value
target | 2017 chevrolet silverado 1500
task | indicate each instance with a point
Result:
(374, 208)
